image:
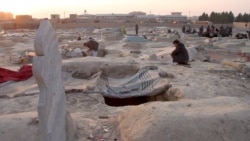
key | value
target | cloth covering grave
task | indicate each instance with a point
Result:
(144, 83)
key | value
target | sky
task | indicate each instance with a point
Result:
(43, 8)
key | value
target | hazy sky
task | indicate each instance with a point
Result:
(43, 8)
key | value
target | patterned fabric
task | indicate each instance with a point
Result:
(144, 83)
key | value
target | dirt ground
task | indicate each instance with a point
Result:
(215, 104)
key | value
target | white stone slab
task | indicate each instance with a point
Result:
(164, 56)
(52, 111)
(192, 53)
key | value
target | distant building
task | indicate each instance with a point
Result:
(193, 19)
(23, 18)
(5, 16)
(25, 21)
(132, 17)
(113, 17)
(176, 13)
(203, 22)
(73, 18)
(55, 18)
(85, 18)
(147, 18)
(137, 13)
(175, 17)
(242, 25)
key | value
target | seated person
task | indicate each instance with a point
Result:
(79, 38)
(93, 47)
(180, 54)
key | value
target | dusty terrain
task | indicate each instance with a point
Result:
(215, 105)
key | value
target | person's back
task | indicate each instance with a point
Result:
(183, 29)
(180, 54)
(93, 45)
(79, 38)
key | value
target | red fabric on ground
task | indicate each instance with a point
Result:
(24, 73)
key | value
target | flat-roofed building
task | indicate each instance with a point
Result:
(85, 18)
(26, 21)
(175, 17)
(136, 13)
(5, 16)
(55, 18)
(23, 18)
(147, 18)
(114, 17)
(73, 18)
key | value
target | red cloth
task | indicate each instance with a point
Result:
(24, 73)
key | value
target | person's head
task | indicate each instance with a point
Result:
(85, 44)
(176, 42)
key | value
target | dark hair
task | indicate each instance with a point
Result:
(176, 41)
(85, 44)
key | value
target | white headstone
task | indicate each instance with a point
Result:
(164, 56)
(192, 53)
(55, 122)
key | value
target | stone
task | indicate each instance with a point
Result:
(246, 70)
(165, 74)
(135, 39)
(235, 65)
(164, 56)
(173, 94)
(192, 53)
(55, 122)
(101, 52)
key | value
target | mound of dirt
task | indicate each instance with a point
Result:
(215, 119)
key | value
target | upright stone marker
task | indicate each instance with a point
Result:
(55, 122)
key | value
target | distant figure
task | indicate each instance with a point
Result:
(79, 38)
(201, 30)
(207, 31)
(189, 31)
(183, 29)
(136, 29)
(180, 54)
(93, 47)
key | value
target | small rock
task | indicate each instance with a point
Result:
(103, 117)
(164, 74)
(135, 51)
(34, 121)
(90, 88)
(173, 94)
(160, 98)
(151, 67)
(91, 137)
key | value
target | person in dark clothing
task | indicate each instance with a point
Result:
(136, 29)
(180, 54)
(92, 45)
(183, 29)
(79, 38)
(201, 30)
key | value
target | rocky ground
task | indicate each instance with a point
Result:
(214, 104)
